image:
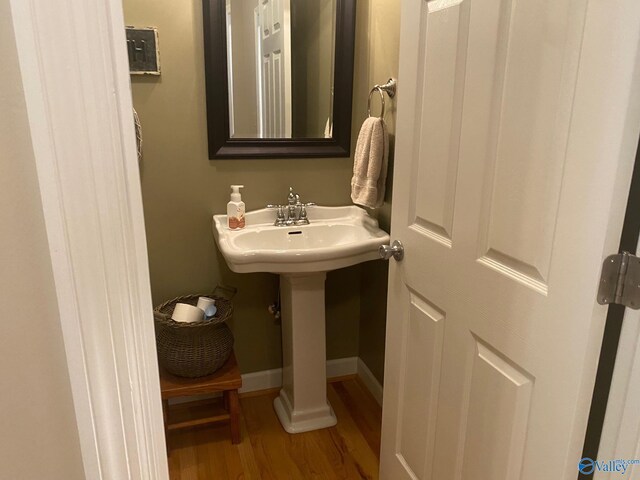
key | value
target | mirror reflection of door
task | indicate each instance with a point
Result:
(274, 77)
(280, 62)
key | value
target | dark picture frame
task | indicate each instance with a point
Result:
(222, 146)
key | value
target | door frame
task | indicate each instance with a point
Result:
(80, 117)
(610, 423)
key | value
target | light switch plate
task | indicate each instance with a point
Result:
(142, 48)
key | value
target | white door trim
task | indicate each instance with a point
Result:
(619, 75)
(621, 430)
(75, 75)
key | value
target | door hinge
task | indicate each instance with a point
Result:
(620, 281)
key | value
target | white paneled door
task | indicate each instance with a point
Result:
(517, 125)
(275, 67)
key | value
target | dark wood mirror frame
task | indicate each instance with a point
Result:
(221, 145)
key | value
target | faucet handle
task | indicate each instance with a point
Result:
(280, 208)
(291, 198)
(280, 219)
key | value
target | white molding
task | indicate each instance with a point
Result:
(342, 366)
(80, 116)
(370, 381)
(266, 379)
(262, 380)
(621, 430)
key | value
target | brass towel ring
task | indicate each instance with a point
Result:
(389, 87)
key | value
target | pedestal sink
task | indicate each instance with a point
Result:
(337, 237)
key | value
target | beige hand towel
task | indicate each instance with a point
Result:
(370, 164)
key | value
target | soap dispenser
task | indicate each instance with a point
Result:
(235, 209)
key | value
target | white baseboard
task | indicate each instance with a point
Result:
(263, 380)
(342, 366)
(370, 381)
(267, 379)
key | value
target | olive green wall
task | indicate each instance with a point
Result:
(182, 188)
(377, 49)
(38, 430)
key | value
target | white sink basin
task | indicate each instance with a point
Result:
(337, 237)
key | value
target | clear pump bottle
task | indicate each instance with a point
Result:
(235, 209)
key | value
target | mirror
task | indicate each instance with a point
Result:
(280, 68)
(279, 76)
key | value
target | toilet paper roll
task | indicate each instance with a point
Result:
(204, 302)
(210, 312)
(184, 312)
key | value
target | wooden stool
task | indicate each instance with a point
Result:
(226, 380)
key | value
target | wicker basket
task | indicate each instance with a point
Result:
(194, 349)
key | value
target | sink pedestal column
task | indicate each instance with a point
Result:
(302, 404)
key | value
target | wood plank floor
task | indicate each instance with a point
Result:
(350, 450)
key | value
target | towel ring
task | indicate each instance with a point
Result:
(379, 90)
(389, 87)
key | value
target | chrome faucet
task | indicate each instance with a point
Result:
(293, 213)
